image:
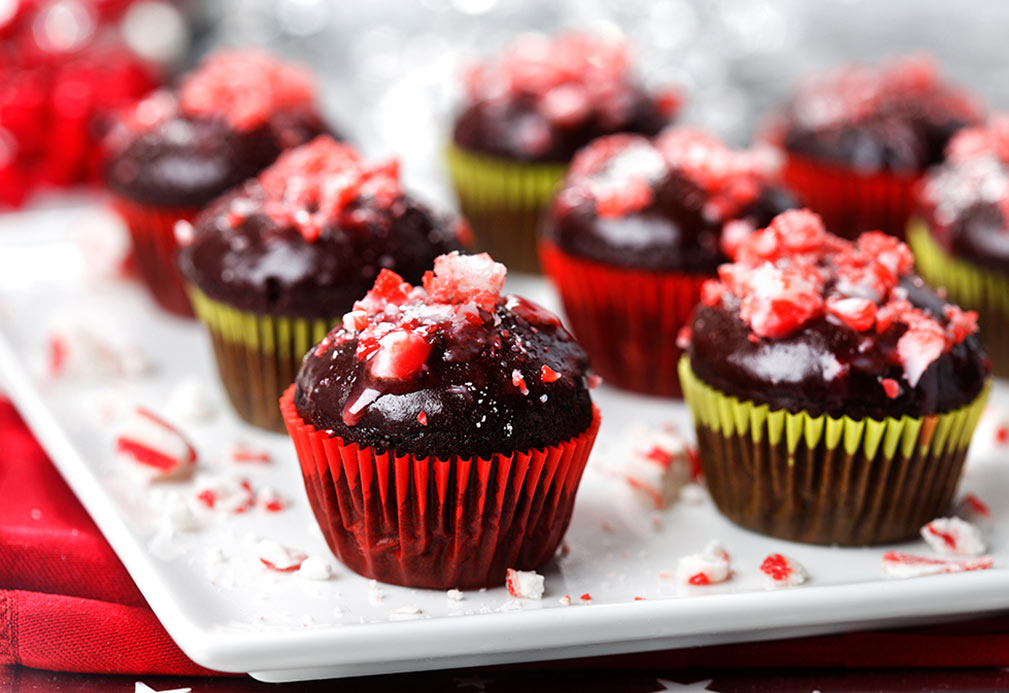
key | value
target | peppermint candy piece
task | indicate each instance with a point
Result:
(157, 449)
(782, 571)
(277, 557)
(706, 568)
(897, 564)
(953, 536)
(524, 584)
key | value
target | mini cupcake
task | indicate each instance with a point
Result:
(443, 431)
(636, 229)
(961, 236)
(834, 394)
(857, 140)
(272, 265)
(175, 152)
(525, 115)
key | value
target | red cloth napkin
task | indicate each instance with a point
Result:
(67, 603)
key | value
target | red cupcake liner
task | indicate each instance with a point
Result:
(154, 250)
(851, 202)
(627, 320)
(441, 524)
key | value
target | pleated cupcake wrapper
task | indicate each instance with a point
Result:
(422, 522)
(152, 230)
(971, 286)
(257, 355)
(851, 202)
(626, 319)
(504, 202)
(822, 479)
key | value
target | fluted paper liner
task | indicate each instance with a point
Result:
(626, 319)
(152, 230)
(258, 355)
(851, 202)
(970, 286)
(422, 522)
(825, 480)
(504, 202)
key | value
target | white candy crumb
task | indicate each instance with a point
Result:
(693, 494)
(455, 595)
(190, 402)
(524, 584)
(375, 594)
(315, 568)
(405, 613)
(708, 567)
(659, 465)
(278, 557)
(179, 516)
(565, 600)
(954, 537)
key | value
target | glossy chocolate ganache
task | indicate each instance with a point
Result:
(897, 117)
(544, 98)
(806, 321)
(309, 236)
(229, 119)
(669, 204)
(966, 200)
(450, 368)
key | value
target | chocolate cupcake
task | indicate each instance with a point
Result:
(443, 430)
(858, 139)
(636, 229)
(961, 234)
(834, 394)
(272, 265)
(525, 115)
(174, 152)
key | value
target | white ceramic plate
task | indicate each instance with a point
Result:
(228, 612)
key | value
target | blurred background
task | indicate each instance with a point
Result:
(389, 68)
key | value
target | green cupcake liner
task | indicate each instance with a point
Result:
(257, 355)
(823, 479)
(969, 285)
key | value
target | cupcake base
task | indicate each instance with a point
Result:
(504, 202)
(152, 230)
(851, 202)
(439, 524)
(258, 356)
(968, 285)
(627, 320)
(822, 480)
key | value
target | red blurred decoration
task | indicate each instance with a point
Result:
(64, 70)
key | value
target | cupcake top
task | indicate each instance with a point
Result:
(663, 204)
(897, 117)
(806, 321)
(228, 119)
(309, 235)
(450, 368)
(544, 98)
(966, 200)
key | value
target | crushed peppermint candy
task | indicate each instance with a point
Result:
(660, 464)
(970, 504)
(569, 80)
(397, 326)
(178, 515)
(710, 566)
(224, 493)
(191, 403)
(158, 449)
(319, 183)
(897, 564)
(75, 352)
(621, 174)
(565, 600)
(270, 500)
(524, 584)
(245, 87)
(455, 595)
(953, 536)
(243, 453)
(793, 272)
(315, 568)
(782, 571)
(276, 556)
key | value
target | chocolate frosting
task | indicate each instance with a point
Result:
(671, 235)
(259, 265)
(186, 161)
(828, 367)
(501, 128)
(466, 391)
